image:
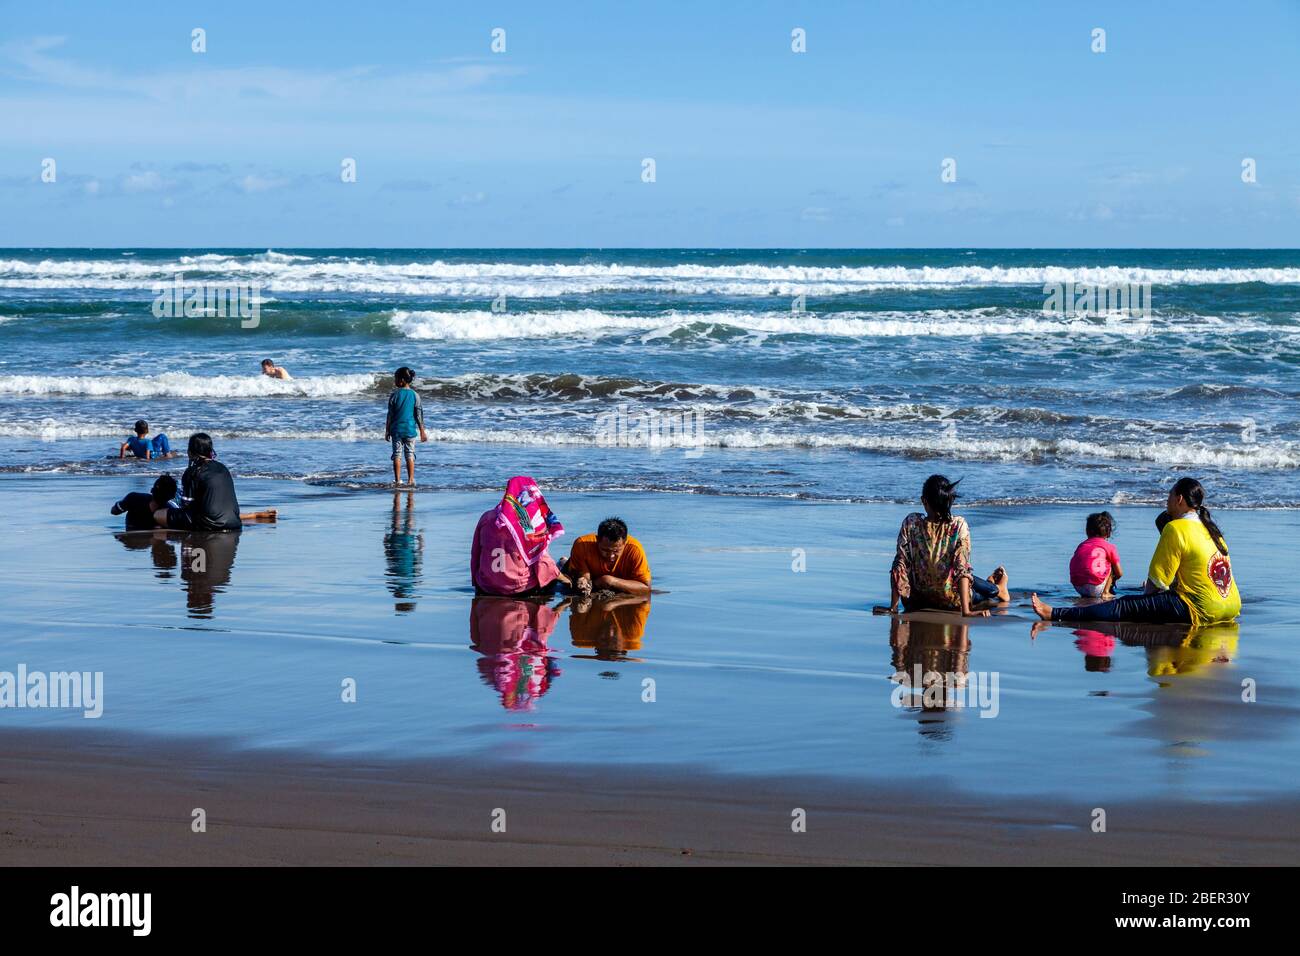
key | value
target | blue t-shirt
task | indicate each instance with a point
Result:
(405, 414)
(140, 447)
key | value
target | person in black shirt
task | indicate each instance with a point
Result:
(207, 493)
(140, 508)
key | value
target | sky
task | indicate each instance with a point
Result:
(754, 145)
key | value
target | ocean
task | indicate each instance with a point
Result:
(833, 375)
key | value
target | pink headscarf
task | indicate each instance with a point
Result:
(524, 513)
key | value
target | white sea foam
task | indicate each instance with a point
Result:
(1280, 455)
(184, 385)
(280, 272)
(961, 323)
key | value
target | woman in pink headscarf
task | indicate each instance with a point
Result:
(509, 553)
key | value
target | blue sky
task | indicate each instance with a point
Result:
(754, 145)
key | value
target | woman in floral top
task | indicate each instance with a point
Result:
(932, 564)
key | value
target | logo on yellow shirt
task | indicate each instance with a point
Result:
(1220, 572)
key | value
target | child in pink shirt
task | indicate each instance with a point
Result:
(1094, 569)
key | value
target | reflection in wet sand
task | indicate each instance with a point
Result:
(404, 555)
(609, 627)
(160, 545)
(931, 661)
(205, 562)
(511, 635)
(1172, 650)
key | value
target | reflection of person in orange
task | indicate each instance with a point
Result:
(206, 561)
(404, 554)
(611, 627)
(511, 635)
(930, 657)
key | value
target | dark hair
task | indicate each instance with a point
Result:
(1191, 491)
(141, 426)
(266, 362)
(940, 494)
(164, 489)
(200, 445)
(1163, 519)
(404, 376)
(612, 529)
(1100, 525)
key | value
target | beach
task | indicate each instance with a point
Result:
(771, 690)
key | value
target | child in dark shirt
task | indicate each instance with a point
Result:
(139, 507)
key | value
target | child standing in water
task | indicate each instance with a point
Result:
(1094, 569)
(405, 421)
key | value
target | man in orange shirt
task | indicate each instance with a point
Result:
(609, 559)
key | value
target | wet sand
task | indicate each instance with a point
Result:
(126, 801)
(774, 688)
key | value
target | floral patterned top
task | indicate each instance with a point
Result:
(932, 557)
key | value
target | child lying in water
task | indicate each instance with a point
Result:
(144, 447)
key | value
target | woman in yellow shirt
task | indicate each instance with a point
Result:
(1190, 578)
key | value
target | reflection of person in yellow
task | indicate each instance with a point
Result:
(511, 634)
(930, 657)
(404, 554)
(611, 628)
(1171, 650)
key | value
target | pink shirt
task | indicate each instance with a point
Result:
(497, 567)
(1092, 561)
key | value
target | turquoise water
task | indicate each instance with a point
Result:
(900, 363)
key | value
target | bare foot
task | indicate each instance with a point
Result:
(1038, 627)
(1042, 610)
(999, 577)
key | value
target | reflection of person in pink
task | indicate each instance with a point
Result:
(509, 555)
(1097, 649)
(512, 638)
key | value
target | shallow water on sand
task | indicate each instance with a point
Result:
(756, 668)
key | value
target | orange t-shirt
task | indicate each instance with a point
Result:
(631, 564)
(614, 630)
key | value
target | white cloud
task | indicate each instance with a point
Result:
(359, 84)
(252, 183)
(143, 182)
(468, 199)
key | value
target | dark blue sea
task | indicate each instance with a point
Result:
(822, 374)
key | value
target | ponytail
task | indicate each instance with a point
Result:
(1203, 513)
(1191, 491)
